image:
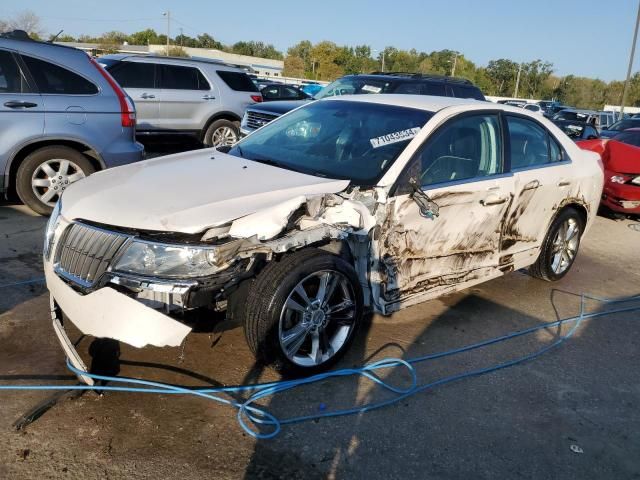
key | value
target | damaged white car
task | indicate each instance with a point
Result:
(346, 205)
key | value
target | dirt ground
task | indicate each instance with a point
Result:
(572, 413)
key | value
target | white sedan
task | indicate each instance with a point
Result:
(347, 204)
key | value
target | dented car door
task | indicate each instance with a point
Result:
(543, 180)
(423, 251)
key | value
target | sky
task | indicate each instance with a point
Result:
(582, 37)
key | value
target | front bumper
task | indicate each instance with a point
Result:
(621, 198)
(107, 313)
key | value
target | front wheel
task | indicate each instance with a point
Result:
(302, 312)
(560, 246)
(222, 133)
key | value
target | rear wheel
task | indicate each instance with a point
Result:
(560, 246)
(302, 312)
(46, 173)
(222, 133)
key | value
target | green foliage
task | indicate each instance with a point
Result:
(256, 49)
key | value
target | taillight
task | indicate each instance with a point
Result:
(127, 109)
(256, 98)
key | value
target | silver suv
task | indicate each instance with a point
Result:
(62, 117)
(200, 97)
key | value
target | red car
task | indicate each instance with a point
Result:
(621, 159)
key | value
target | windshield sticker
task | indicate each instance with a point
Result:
(371, 89)
(394, 137)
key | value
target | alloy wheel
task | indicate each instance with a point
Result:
(223, 136)
(565, 246)
(317, 318)
(52, 177)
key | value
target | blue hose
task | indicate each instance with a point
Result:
(251, 417)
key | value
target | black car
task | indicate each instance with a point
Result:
(377, 82)
(577, 130)
(280, 91)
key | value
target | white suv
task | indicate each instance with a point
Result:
(346, 204)
(200, 97)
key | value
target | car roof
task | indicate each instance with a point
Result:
(418, 77)
(428, 103)
(634, 129)
(172, 60)
(579, 110)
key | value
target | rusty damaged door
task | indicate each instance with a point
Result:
(460, 168)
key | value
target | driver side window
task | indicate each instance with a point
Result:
(465, 148)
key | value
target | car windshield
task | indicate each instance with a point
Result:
(572, 129)
(350, 140)
(353, 86)
(621, 125)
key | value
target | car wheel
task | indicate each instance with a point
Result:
(222, 133)
(47, 172)
(560, 246)
(302, 312)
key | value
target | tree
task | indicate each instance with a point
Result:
(207, 41)
(293, 67)
(144, 37)
(256, 49)
(29, 22)
(502, 73)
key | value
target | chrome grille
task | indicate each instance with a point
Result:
(258, 119)
(84, 253)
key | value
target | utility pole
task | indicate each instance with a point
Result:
(168, 15)
(181, 36)
(633, 52)
(515, 92)
(382, 61)
(455, 61)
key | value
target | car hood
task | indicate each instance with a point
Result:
(188, 192)
(278, 107)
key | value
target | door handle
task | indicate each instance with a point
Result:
(147, 95)
(208, 97)
(492, 200)
(17, 104)
(564, 183)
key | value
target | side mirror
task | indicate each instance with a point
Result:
(428, 208)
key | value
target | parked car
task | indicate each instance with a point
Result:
(280, 91)
(620, 126)
(62, 117)
(577, 130)
(621, 159)
(407, 83)
(348, 203)
(532, 107)
(188, 96)
(553, 109)
(312, 89)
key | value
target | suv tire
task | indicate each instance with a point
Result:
(45, 173)
(286, 297)
(222, 132)
(560, 246)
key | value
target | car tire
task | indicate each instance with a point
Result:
(45, 173)
(560, 246)
(222, 132)
(328, 324)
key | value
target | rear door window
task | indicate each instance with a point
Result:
(135, 74)
(53, 79)
(464, 91)
(12, 80)
(271, 93)
(409, 88)
(238, 81)
(176, 77)
(434, 88)
(529, 144)
(289, 93)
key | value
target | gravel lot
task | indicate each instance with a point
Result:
(517, 423)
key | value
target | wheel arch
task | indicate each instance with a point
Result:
(25, 150)
(225, 115)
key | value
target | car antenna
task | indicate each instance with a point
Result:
(53, 39)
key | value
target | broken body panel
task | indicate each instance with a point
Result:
(253, 212)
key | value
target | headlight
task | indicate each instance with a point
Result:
(52, 224)
(636, 180)
(172, 261)
(622, 179)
